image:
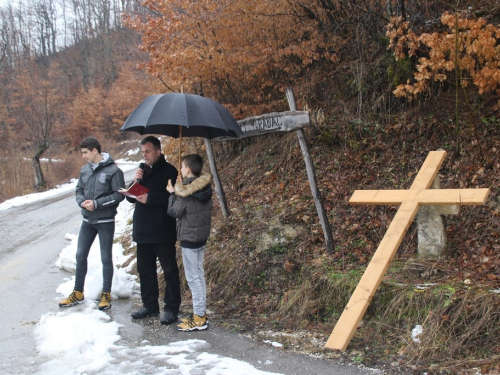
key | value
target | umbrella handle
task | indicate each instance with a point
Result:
(180, 148)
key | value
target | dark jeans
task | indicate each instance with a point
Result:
(87, 235)
(146, 266)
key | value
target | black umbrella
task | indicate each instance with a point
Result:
(179, 114)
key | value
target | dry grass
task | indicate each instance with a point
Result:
(460, 323)
(17, 176)
(461, 328)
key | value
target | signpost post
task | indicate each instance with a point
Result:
(272, 123)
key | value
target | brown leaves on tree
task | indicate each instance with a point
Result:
(237, 51)
(468, 52)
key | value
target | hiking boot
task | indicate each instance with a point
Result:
(74, 299)
(195, 323)
(168, 317)
(185, 320)
(105, 302)
(144, 312)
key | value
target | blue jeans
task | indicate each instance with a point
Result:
(193, 267)
(87, 235)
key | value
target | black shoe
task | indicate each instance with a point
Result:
(168, 317)
(144, 312)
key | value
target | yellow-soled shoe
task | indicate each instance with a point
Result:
(194, 323)
(74, 299)
(105, 302)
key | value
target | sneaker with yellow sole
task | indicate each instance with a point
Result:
(193, 323)
(105, 302)
(74, 299)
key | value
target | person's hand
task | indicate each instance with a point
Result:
(170, 188)
(142, 198)
(138, 174)
(88, 205)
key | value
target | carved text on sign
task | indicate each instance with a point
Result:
(267, 123)
(274, 122)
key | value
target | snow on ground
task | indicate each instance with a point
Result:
(46, 160)
(82, 339)
(30, 198)
(135, 151)
(125, 165)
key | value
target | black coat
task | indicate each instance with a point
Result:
(151, 223)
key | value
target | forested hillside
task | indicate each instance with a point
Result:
(67, 70)
(385, 82)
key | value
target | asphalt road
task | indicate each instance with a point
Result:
(33, 235)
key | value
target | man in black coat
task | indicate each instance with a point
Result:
(155, 234)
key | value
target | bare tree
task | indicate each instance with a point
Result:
(45, 19)
(38, 106)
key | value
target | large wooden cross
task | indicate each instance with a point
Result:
(409, 201)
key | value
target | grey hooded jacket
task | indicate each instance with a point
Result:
(100, 185)
(192, 206)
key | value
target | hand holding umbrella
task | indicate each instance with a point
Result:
(178, 114)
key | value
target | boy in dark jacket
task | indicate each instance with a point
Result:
(97, 195)
(191, 204)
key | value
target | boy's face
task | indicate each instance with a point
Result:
(185, 170)
(90, 155)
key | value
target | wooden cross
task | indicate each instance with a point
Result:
(409, 201)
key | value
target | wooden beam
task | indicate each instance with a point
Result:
(410, 201)
(429, 170)
(215, 174)
(311, 176)
(274, 122)
(428, 197)
(371, 279)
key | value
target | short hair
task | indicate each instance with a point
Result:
(153, 140)
(194, 162)
(90, 143)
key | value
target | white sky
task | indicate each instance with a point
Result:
(81, 339)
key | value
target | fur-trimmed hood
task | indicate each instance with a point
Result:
(198, 187)
(192, 206)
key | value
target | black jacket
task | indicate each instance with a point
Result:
(192, 205)
(100, 185)
(151, 224)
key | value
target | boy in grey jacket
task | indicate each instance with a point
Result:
(97, 195)
(192, 205)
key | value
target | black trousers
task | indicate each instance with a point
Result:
(146, 266)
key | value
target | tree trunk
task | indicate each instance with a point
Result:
(37, 169)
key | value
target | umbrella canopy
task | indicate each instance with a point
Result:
(183, 115)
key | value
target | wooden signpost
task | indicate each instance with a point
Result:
(311, 176)
(255, 126)
(274, 122)
(292, 120)
(409, 201)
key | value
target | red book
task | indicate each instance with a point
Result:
(134, 190)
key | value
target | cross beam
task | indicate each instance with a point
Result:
(434, 197)
(409, 201)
